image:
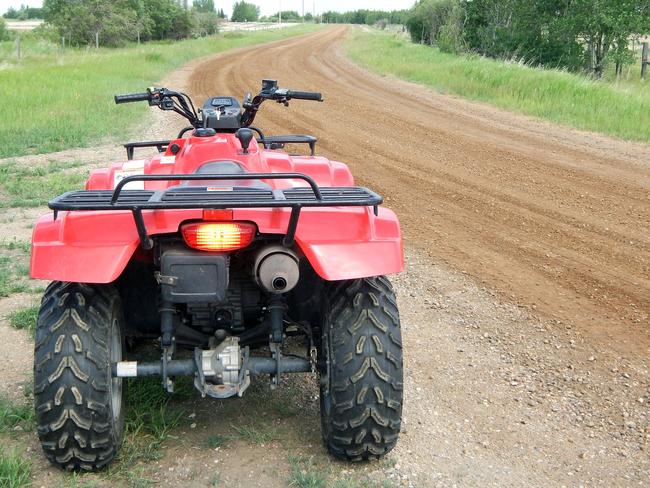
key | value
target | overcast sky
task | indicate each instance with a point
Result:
(271, 6)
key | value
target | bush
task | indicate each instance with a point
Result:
(4, 33)
(244, 12)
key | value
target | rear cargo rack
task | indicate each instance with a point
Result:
(212, 197)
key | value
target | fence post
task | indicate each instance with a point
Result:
(96, 40)
(18, 53)
(644, 60)
(138, 37)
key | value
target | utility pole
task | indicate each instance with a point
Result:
(279, 11)
(303, 9)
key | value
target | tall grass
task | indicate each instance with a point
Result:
(621, 110)
(52, 100)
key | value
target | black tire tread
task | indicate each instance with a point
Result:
(72, 375)
(361, 399)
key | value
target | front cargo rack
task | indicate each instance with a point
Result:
(211, 197)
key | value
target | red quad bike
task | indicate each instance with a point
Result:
(217, 249)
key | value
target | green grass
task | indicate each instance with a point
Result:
(621, 110)
(152, 414)
(14, 415)
(34, 186)
(55, 101)
(25, 319)
(14, 267)
(14, 470)
(306, 473)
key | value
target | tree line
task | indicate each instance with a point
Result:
(367, 17)
(120, 21)
(578, 35)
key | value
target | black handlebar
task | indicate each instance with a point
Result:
(182, 104)
(133, 97)
(299, 95)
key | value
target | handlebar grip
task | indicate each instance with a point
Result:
(133, 97)
(305, 95)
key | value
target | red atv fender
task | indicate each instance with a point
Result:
(339, 242)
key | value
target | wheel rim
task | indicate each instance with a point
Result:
(116, 356)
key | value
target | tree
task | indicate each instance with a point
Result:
(221, 14)
(437, 22)
(78, 20)
(244, 12)
(203, 6)
(23, 13)
(117, 21)
(606, 28)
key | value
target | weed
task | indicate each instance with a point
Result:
(13, 415)
(25, 319)
(151, 417)
(13, 268)
(217, 440)
(256, 435)
(284, 407)
(14, 470)
(214, 480)
(304, 474)
(15, 244)
(78, 480)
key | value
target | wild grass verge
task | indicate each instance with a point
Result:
(620, 110)
(59, 100)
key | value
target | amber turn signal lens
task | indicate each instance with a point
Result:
(218, 236)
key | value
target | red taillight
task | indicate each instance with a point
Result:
(218, 236)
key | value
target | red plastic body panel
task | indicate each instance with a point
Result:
(339, 242)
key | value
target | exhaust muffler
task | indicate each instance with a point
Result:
(276, 269)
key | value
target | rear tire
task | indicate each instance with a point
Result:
(79, 408)
(361, 386)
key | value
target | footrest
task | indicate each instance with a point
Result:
(279, 141)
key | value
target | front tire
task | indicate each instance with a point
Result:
(79, 405)
(361, 385)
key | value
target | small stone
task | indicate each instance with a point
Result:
(193, 425)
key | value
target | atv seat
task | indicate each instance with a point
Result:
(225, 168)
(278, 142)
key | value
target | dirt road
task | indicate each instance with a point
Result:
(526, 297)
(555, 219)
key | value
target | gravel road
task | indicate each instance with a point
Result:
(526, 296)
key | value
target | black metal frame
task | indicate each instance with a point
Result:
(278, 142)
(189, 197)
(131, 146)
